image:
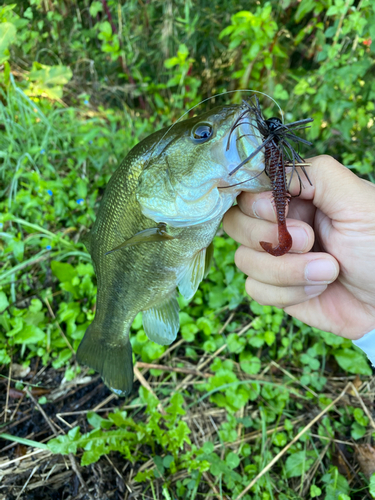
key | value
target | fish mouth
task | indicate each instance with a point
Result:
(238, 145)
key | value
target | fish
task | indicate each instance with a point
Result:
(154, 230)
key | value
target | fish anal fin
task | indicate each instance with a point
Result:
(192, 274)
(161, 323)
(149, 235)
(112, 359)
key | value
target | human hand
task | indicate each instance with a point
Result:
(327, 280)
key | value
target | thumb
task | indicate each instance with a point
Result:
(335, 189)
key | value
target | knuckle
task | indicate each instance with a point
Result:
(282, 299)
(279, 275)
(285, 274)
(328, 159)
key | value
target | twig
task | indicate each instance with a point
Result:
(8, 389)
(311, 473)
(286, 448)
(293, 378)
(147, 386)
(252, 436)
(229, 319)
(149, 366)
(210, 358)
(53, 427)
(365, 409)
(50, 424)
(341, 20)
(348, 443)
(24, 457)
(213, 486)
(79, 475)
(58, 326)
(27, 482)
(105, 401)
(118, 473)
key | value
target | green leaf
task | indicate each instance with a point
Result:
(158, 461)
(249, 364)
(4, 358)
(3, 302)
(176, 407)
(372, 485)
(360, 417)
(269, 337)
(357, 431)
(315, 491)
(167, 461)
(352, 361)
(297, 464)
(97, 421)
(50, 80)
(62, 271)
(235, 343)
(7, 36)
(208, 447)
(30, 334)
(280, 439)
(65, 444)
(304, 8)
(232, 460)
(95, 8)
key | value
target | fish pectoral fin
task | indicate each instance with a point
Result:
(151, 234)
(192, 274)
(161, 323)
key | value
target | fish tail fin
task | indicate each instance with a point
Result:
(110, 356)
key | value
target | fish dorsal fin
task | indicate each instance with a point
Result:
(161, 323)
(192, 274)
(151, 234)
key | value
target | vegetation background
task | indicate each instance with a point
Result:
(81, 83)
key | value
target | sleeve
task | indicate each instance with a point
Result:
(367, 344)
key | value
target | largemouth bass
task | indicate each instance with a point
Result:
(154, 230)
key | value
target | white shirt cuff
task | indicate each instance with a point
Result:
(367, 344)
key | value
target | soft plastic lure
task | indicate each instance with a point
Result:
(278, 154)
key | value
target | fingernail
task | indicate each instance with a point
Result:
(314, 290)
(320, 270)
(300, 239)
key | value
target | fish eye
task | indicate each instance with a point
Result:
(202, 132)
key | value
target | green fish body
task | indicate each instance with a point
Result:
(154, 231)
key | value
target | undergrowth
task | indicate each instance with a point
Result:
(257, 377)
